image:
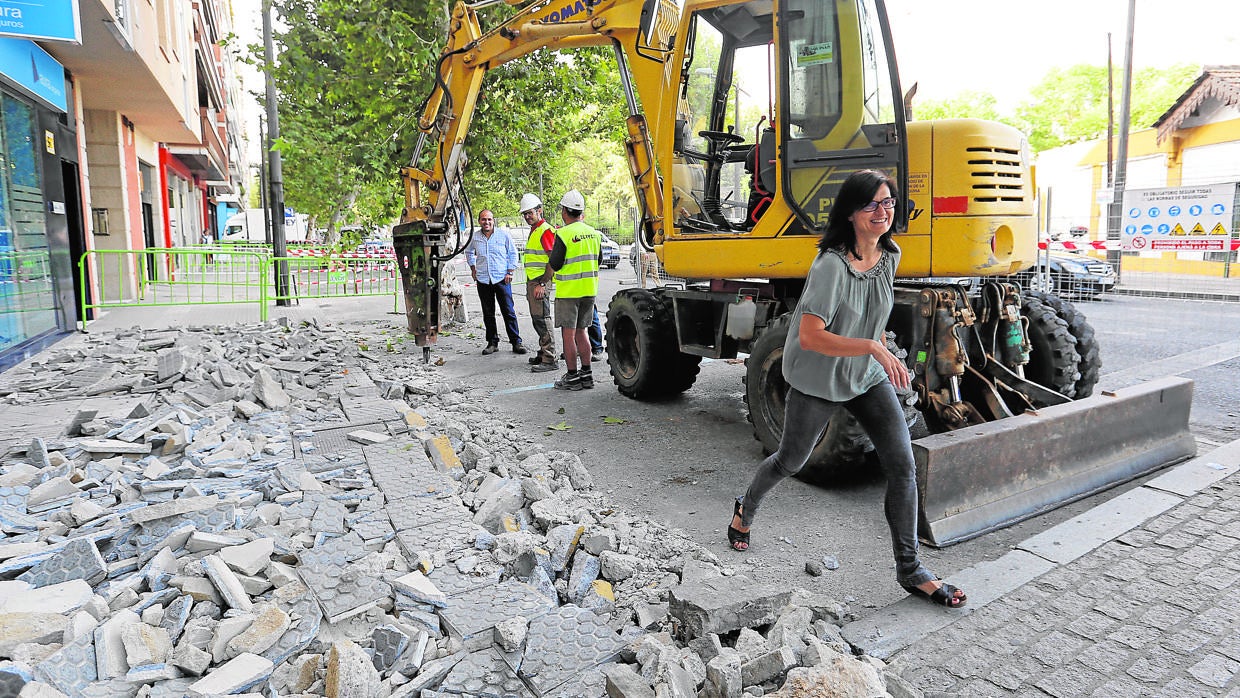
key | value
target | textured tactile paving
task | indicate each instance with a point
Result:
(341, 589)
(564, 642)
(335, 440)
(413, 512)
(446, 535)
(484, 673)
(15, 497)
(78, 559)
(374, 527)
(71, 668)
(306, 507)
(453, 582)
(329, 517)
(389, 643)
(362, 411)
(301, 633)
(478, 610)
(218, 519)
(406, 473)
(591, 683)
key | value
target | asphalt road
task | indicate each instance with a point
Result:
(681, 461)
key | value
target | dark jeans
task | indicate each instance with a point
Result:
(879, 413)
(540, 317)
(595, 333)
(488, 294)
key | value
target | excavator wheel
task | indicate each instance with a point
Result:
(642, 351)
(1053, 360)
(843, 447)
(1086, 341)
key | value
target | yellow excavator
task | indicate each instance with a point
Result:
(733, 197)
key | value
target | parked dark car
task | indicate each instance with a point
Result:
(1074, 276)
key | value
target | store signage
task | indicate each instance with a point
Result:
(50, 20)
(35, 71)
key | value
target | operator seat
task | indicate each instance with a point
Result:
(760, 164)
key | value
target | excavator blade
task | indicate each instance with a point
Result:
(980, 478)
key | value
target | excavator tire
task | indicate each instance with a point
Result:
(840, 452)
(642, 351)
(1053, 360)
(1086, 342)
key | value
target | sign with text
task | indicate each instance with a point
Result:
(1178, 218)
(35, 71)
(49, 20)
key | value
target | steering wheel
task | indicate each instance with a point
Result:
(720, 140)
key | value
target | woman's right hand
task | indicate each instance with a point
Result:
(897, 372)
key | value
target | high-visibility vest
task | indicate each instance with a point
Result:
(535, 255)
(578, 278)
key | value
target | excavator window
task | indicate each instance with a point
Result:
(725, 100)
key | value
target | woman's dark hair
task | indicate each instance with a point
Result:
(856, 191)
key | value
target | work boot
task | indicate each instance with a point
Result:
(568, 381)
(587, 378)
(536, 359)
(491, 349)
(541, 367)
(597, 355)
(519, 349)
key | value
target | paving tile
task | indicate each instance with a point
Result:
(78, 559)
(446, 535)
(412, 512)
(342, 589)
(453, 582)
(484, 673)
(478, 610)
(71, 668)
(301, 633)
(563, 643)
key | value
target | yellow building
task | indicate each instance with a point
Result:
(1197, 141)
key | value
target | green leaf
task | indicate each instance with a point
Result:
(562, 426)
(614, 420)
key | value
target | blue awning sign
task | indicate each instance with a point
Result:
(34, 70)
(49, 20)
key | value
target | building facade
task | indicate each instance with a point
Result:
(144, 152)
(1195, 142)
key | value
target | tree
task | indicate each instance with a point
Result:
(1069, 105)
(969, 104)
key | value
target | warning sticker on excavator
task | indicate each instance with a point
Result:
(814, 54)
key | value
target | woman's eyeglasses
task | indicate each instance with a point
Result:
(888, 203)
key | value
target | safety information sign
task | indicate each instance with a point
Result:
(1178, 218)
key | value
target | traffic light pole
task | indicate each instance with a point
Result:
(275, 170)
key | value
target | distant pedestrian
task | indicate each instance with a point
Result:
(207, 240)
(492, 259)
(575, 257)
(835, 359)
(539, 281)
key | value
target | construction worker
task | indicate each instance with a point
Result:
(539, 280)
(575, 257)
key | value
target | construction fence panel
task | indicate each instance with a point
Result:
(323, 274)
(156, 277)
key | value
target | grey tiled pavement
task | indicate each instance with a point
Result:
(1154, 612)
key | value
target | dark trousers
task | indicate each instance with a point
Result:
(878, 412)
(540, 317)
(595, 333)
(488, 294)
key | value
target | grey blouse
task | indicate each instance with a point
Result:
(852, 304)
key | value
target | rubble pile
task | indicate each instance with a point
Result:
(271, 519)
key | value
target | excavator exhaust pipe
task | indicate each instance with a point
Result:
(981, 478)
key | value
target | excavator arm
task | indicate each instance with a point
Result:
(436, 207)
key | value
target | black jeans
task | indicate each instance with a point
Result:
(879, 413)
(488, 294)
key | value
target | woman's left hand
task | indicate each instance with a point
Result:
(897, 372)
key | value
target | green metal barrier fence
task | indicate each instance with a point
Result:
(155, 277)
(340, 275)
(229, 274)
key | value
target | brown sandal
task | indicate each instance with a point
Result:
(738, 539)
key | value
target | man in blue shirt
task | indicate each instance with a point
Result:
(492, 258)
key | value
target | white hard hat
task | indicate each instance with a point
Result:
(574, 200)
(528, 202)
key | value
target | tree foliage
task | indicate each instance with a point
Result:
(1069, 105)
(970, 104)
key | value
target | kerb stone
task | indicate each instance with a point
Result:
(623, 682)
(241, 672)
(723, 604)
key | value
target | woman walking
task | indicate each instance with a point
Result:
(835, 358)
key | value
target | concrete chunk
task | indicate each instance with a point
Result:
(113, 446)
(722, 604)
(417, 586)
(53, 489)
(269, 626)
(110, 645)
(623, 682)
(250, 558)
(350, 672)
(19, 627)
(145, 644)
(177, 507)
(367, 437)
(239, 673)
(226, 583)
(723, 676)
(269, 392)
(768, 667)
(65, 597)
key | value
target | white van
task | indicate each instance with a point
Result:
(249, 227)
